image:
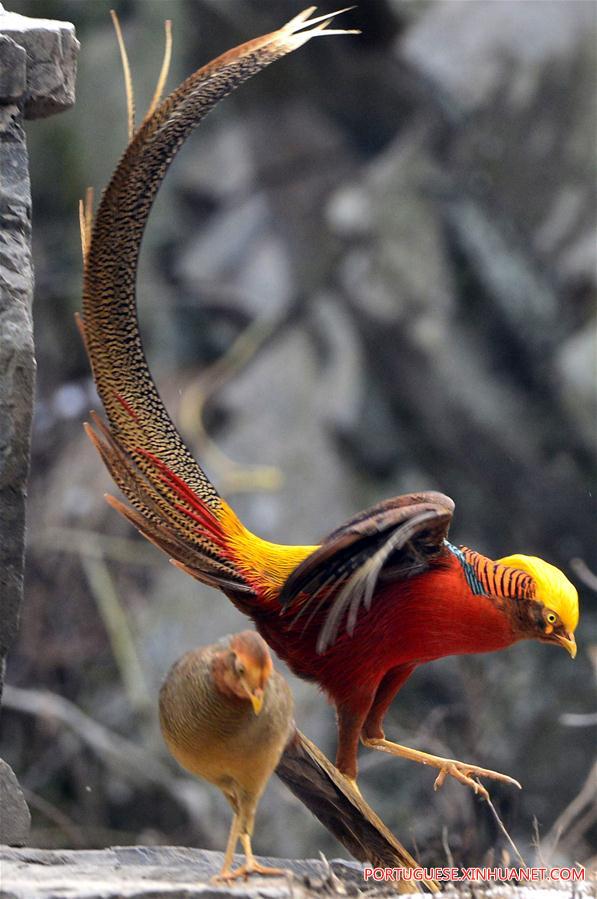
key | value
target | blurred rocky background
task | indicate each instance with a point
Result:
(390, 239)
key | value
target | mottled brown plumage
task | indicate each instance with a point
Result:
(233, 729)
(226, 716)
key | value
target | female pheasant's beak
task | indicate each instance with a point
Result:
(568, 642)
(256, 697)
(252, 666)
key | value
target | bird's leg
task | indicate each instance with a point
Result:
(384, 696)
(251, 865)
(460, 771)
(242, 826)
(350, 725)
(225, 873)
(373, 737)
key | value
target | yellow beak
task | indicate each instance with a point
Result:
(568, 642)
(256, 698)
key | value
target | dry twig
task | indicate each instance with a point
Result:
(503, 829)
(577, 817)
(125, 758)
(118, 629)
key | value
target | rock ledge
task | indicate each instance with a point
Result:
(140, 872)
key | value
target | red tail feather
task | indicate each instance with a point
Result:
(201, 513)
(126, 406)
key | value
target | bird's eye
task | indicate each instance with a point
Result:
(551, 617)
(240, 669)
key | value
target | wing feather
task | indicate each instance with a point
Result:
(395, 539)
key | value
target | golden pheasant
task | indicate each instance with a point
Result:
(120, 222)
(379, 596)
(226, 716)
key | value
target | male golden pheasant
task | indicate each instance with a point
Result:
(379, 596)
(226, 716)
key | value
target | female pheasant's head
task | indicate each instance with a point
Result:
(243, 668)
(554, 611)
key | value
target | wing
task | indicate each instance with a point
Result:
(395, 539)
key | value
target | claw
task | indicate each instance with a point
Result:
(246, 870)
(462, 773)
(439, 780)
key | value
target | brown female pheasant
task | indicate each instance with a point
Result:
(226, 716)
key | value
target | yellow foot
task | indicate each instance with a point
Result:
(464, 774)
(246, 870)
(460, 771)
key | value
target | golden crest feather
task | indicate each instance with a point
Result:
(553, 589)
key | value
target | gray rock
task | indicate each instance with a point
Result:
(37, 71)
(225, 171)
(522, 74)
(243, 256)
(275, 423)
(576, 364)
(181, 873)
(349, 212)
(523, 294)
(13, 70)
(136, 871)
(469, 49)
(341, 401)
(405, 271)
(15, 819)
(17, 364)
(51, 49)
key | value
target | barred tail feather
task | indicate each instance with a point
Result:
(332, 798)
(174, 504)
(135, 410)
(198, 549)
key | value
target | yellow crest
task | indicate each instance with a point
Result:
(553, 589)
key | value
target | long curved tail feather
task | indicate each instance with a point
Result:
(174, 503)
(136, 413)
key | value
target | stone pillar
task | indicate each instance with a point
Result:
(37, 79)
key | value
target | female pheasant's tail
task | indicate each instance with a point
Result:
(342, 810)
(174, 504)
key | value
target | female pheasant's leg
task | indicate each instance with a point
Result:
(252, 866)
(374, 738)
(244, 825)
(225, 872)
